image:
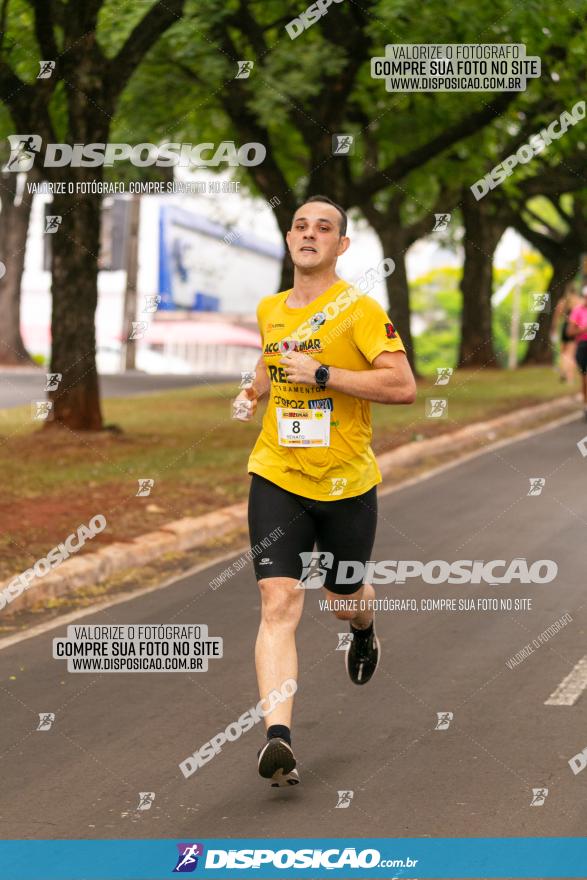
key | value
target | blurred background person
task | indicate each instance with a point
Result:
(578, 328)
(560, 325)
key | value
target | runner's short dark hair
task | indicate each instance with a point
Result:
(341, 211)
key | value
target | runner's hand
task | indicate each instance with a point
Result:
(300, 367)
(244, 405)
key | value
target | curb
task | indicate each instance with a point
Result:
(192, 532)
(93, 568)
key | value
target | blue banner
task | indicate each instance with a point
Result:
(535, 857)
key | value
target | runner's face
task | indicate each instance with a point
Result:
(314, 239)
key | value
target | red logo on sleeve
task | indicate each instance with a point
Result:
(390, 330)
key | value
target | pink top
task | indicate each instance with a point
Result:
(579, 317)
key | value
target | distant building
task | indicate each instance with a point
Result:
(197, 269)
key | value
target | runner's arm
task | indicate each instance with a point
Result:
(252, 394)
(389, 381)
(261, 383)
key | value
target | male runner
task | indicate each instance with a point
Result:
(327, 351)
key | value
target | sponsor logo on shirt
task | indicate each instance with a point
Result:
(286, 345)
(310, 345)
(390, 331)
(321, 403)
(317, 320)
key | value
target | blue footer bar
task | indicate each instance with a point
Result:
(533, 857)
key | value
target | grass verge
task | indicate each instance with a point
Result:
(186, 442)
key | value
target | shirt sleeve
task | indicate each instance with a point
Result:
(578, 315)
(373, 331)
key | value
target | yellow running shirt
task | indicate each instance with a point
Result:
(341, 328)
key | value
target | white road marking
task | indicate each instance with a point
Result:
(571, 687)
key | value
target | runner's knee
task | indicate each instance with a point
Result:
(344, 613)
(281, 603)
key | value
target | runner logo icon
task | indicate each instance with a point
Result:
(187, 860)
(343, 144)
(537, 484)
(146, 799)
(540, 302)
(46, 720)
(46, 69)
(530, 330)
(244, 69)
(441, 222)
(338, 485)
(316, 565)
(444, 719)
(344, 800)
(539, 795)
(443, 375)
(24, 148)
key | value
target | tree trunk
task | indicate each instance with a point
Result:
(74, 288)
(564, 268)
(398, 295)
(283, 212)
(483, 229)
(14, 225)
(130, 293)
(393, 240)
(287, 271)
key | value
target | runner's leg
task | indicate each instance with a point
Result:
(276, 657)
(273, 511)
(360, 618)
(568, 367)
(278, 566)
(347, 528)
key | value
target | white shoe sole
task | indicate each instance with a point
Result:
(282, 780)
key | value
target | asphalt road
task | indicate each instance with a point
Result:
(116, 735)
(20, 388)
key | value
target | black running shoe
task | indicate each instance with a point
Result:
(362, 658)
(277, 762)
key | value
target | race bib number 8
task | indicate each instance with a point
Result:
(303, 427)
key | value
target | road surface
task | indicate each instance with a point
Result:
(20, 388)
(116, 735)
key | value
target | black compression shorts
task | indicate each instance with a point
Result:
(342, 530)
(581, 356)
